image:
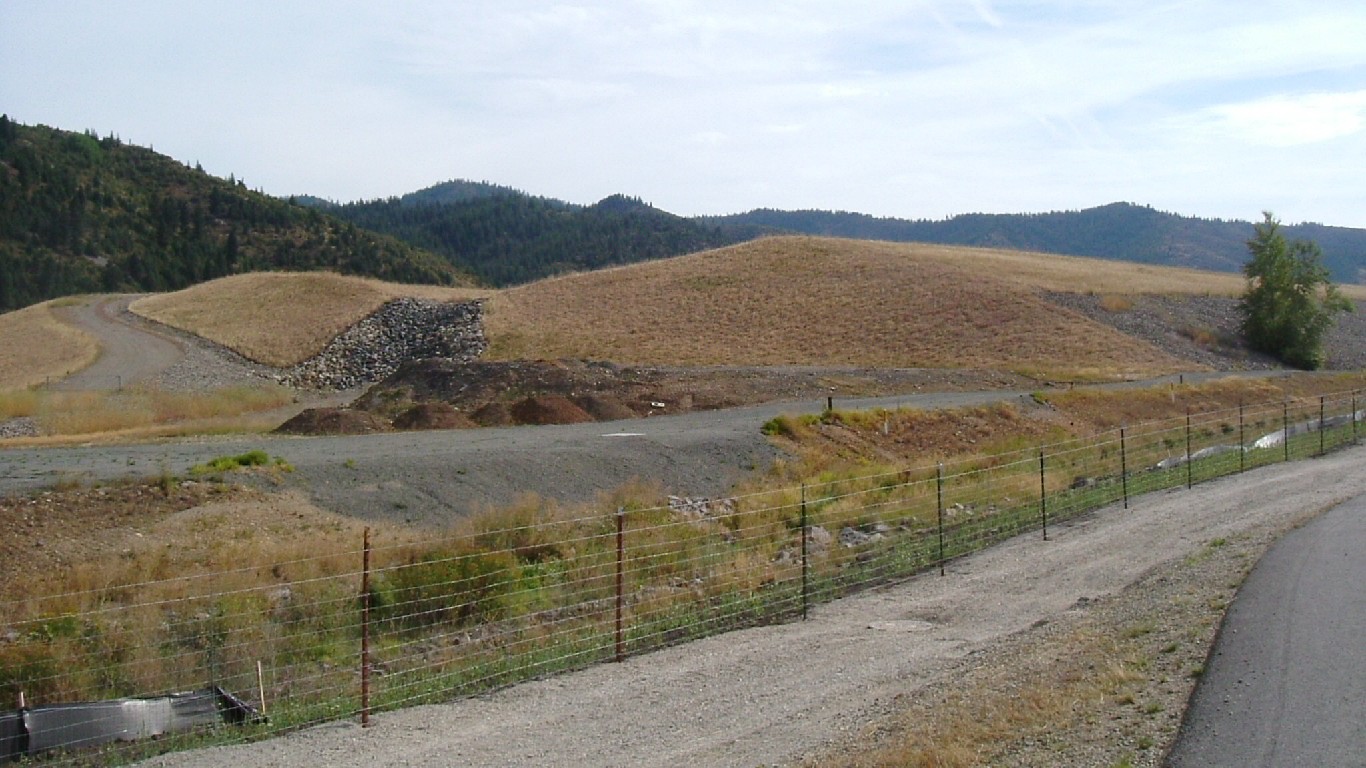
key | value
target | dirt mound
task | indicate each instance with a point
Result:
(605, 408)
(548, 409)
(493, 414)
(497, 394)
(433, 416)
(334, 421)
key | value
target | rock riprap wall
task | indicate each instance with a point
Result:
(402, 329)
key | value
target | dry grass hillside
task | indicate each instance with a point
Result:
(281, 318)
(818, 301)
(37, 344)
(799, 300)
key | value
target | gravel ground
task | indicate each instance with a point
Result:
(136, 350)
(812, 691)
(1172, 324)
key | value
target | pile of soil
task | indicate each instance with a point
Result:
(440, 393)
(334, 421)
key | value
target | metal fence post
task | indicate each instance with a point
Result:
(1190, 464)
(1124, 466)
(619, 635)
(939, 495)
(1043, 496)
(1355, 439)
(1323, 447)
(365, 633)
(806, 560)
(1242, 442)
(1285, 428)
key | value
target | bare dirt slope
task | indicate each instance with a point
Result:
(775, 695)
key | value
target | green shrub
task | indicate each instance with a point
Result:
(452, 588)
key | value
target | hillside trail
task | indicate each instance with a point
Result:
(778, 694)
(132, 351)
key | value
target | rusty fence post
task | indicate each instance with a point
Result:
(1323, 429)
(1285, 429)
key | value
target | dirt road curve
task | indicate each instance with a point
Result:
(1286, 682)
(774, 694)
(131, 350)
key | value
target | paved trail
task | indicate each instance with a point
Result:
(1286, 682)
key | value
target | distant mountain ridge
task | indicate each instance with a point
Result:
(505, 237)
(1122, 231)
(82, 214)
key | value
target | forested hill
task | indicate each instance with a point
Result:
(504, 236)
(79, 213)
(1118, 231)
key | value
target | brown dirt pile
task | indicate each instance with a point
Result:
(445, 394)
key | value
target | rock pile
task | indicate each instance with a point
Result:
(22, 426)
(402, 329)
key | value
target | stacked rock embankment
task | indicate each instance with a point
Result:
(402, 329)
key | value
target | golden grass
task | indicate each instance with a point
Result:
(782, 300)
(1100, 410)
(138, 412)
(282, 318)
(37, 346)
(799, 300)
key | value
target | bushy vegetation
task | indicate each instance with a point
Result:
(80, 214)
(257, 458)
(1290, 300)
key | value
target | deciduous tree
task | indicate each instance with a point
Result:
(1290, 301)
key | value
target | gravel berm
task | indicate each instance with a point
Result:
(808, 690)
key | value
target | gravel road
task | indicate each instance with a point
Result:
(134, 350)
(774, 695)
(428, 478)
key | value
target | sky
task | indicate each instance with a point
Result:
(912, 109)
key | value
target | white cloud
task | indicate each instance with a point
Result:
(1286, 121)
(923, 108)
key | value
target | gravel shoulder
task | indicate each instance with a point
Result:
(808, 690)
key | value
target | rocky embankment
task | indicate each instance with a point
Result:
(402, 329)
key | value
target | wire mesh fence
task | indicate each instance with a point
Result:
(388, 625)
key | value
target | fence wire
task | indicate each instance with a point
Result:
(395, 625)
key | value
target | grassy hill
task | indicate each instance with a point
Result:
(781, 300)
(797, 300)
(1120, 231)
(79, 213)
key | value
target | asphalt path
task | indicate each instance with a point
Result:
(1286, 680)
